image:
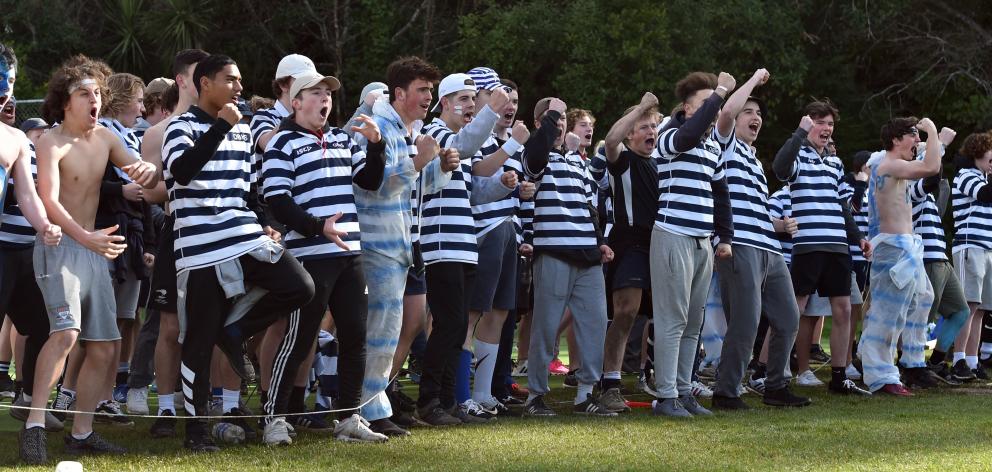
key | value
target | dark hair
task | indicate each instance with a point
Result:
(186, 58)
(976, 145)
(277, 85)
(124, 88)
(896, 128)
(403, 71)
(761, 105)
(860, 159)
(73, 70)
(820, 108)
(693, 83)
(209, 67)
(7, 56)
(170, 98)
(509, 83)
(575, 114)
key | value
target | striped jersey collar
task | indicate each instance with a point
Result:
(289, 124)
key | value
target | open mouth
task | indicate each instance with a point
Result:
(649, 142)
(324, 111)
(509, 115)
(589, 137)
(754, 127)
(825, 136)
(93, 112)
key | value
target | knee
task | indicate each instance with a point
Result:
(63, 340)
(303, 292)
(100, 352)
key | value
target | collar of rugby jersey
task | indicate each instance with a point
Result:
(280, 110)
(290, 124)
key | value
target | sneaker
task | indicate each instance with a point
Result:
(434, 415)
(520, 370)
(962, 372)
(93, 444)
(519, 392)
(401, 401)
(570, 380)
(920, 377)
(164, 427)
(707, 373)
(693, 407)
(63, 401)
(470, 412)
(403, 419)
(852, 372)
(7, 388)
(784, 397)
(700, 390)
(137, 401)
(808, 379)
(755, 386)
(110, 412)
(980, 373)
(387, 428)
(613, 400)
(592, 407)
(511, 400)
(896, 390)
(557, 368)
(944, 373)
(818, 355)
(276, 433)
(198, 440)
(234, 349)
(494, 406)
(721, 402)
(670, 407)
(644, 385)
(536, 407)
(356, 429)
(120, 393)
(52, 424)
(33, 445)
(235, 417)
(848, 387)
(312, 422)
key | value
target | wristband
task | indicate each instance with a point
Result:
(718, 87)
(511, 146)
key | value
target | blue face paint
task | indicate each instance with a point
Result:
(5, 73)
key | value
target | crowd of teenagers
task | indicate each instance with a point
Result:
(268, 249)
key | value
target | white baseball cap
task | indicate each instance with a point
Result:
(452, 84)
(293, 65)
(311, 79)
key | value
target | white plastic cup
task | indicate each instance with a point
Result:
(69, 466)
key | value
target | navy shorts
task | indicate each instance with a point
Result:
(631, 268)
(416, 284)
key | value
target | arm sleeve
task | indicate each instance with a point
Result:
(186, 159)
(488, 189)
(287, 212)
(678, 140)
(723, 222)
(368, 173)
(784, 164)
(472, 136)
(537, 147)
(854, 235)
(256, 205)
(858, 197)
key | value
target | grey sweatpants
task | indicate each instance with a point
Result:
(559, 284)
(752, 281)
(681, 267)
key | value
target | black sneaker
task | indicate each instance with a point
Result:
(384, 426)
(847, 387)
(536, 407)
(980, 373)
(919, 377)
(471, 412)
(312, 422)
(592, 407)
(33, 445)
(720, 402)
(570, 380)
(198, 440)
(403, 419)
(434, 415)
(943, 373)
(7, 389)
(235, 417)
(110, 412)
(234, 349)
(93, 444)
(818, 355)
(511, 400)
(401, 400)
(164, 427)
(784, 397)
(962, 372)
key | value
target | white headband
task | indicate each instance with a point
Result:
(81, 84)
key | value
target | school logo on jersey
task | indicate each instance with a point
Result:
(305, 149)
(338, 145)
(239, 137)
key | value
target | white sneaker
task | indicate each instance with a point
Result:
(852, 373)
(276, 433)
(216, 407)
(137, 401)
(520, 370)
(808, 379)
(756, 385)
(644, 386)
(700, 390)
(356, 429)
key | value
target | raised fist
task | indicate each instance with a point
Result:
(229, 113)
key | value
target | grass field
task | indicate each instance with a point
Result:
(943, 429)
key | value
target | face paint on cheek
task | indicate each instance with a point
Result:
(457, 109)
(5, 73)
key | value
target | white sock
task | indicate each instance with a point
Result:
(972, 361)
(482, 384)
(582, 392)
(612, 375)
(26, 397)
(530, 398)
(958, 356)
(231, 399)
(166, 401)
(83, 436)
(123, 367)
(29, 425)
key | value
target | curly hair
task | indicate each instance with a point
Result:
(693, 83)
(573, 115)
(976, 145)
(124, 89)
(72, 71)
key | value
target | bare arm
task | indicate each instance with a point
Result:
(918, 169)
(493, 163)
(143, 173)
(151, 152)
(734, 104)
(623, 127)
